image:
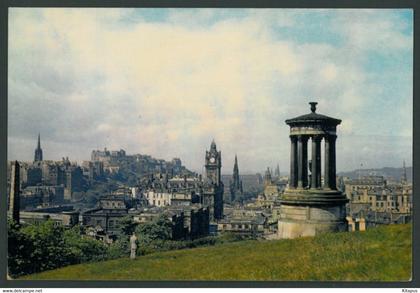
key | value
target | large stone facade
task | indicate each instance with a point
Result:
(308, 207)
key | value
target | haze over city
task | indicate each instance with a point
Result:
(165, 82)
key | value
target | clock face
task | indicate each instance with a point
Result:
(212, 160)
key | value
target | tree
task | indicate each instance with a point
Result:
(36, 248)
(19, 250)
(84, 249)
(127, 225)
(49, 249)
(158, 229)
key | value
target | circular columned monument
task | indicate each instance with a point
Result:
(309, 207)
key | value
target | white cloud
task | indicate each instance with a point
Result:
(167, 89)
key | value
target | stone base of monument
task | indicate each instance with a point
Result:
(309, 212)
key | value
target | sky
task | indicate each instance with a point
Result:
(165, 82)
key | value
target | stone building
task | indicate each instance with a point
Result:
(213, 185)
(45, 195)
(66, 219)
(163, 191)
(93, 170)
(377, 202)
(158, 198)
(74, 182)
(244, 220)
(31, 174)
(243, 226)
(198, 222)
(107, 215)
(106, 155)
(52, 173)
(271, 189)
(308, 207)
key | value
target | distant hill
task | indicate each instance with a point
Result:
(379, 254)
(387, 172)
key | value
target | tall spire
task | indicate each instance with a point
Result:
(236, 183)
(213, 145)
(405, 173)
(38, 150)
(277, 172)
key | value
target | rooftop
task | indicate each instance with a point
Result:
(313, 117)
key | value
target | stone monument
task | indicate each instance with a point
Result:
(307, 206)
(14, 196)
(133, 246)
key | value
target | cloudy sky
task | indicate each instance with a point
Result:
(165, 82)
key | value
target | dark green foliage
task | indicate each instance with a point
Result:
(127, 225)
(19, 251)
(36, 248)
(84, 249)
(119, 248)
(154, 236)
(158, 229)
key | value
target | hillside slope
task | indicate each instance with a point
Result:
(380, 254)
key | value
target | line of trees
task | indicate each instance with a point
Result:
(45, 246)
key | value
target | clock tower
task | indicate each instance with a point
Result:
(213, 188)
(213, 164)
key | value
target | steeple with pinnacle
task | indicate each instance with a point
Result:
(404, 178)
(277, 172)
(38, 150)
(236, 183)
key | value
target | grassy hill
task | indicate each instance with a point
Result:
(380, 254)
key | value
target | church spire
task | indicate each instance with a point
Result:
(277, 172)
(236, 183)
(404, 179)
(38, 150)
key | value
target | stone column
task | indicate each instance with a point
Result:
(316, 162)
(14, 197)
(329, 174)
(302, 161)
(293, 162)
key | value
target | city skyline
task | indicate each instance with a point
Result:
(166, 82)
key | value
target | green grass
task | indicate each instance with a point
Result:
(379, 254)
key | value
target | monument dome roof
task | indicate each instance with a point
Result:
(313, 117)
